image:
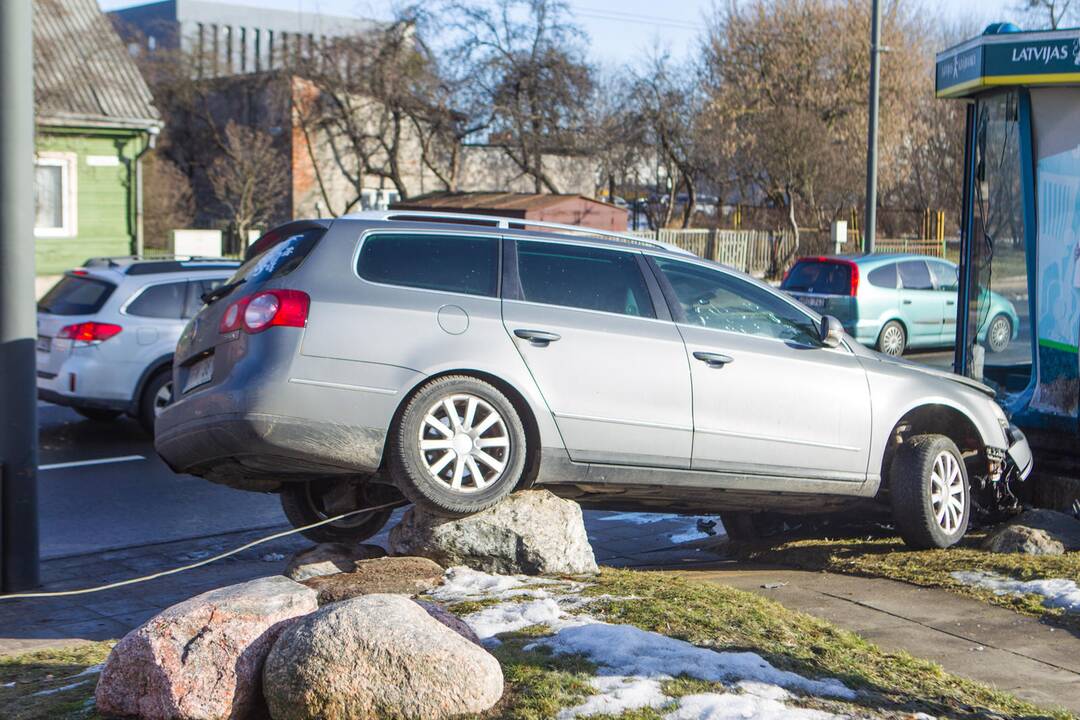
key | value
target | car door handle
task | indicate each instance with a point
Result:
(950, 302)
(907, 302)
(714, 359)
(540, 338)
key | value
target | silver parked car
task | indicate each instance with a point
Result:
(107, 331)
(452, 359)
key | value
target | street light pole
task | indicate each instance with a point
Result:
(18, 378)
(872, 130)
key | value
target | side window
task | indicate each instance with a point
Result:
(582, 277)
(720, 301)
(914, 275)
(883, 277)
(160, 301)
(195, 290)
(450, 263)
(946, 276)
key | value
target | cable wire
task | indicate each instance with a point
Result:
(200, 563)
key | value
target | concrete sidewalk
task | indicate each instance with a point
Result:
(1014, 653)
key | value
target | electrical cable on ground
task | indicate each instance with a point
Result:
(200, 563)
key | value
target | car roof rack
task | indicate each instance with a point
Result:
(150, 264)
(506, 223)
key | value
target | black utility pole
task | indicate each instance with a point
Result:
(872, 133)
(18, 379)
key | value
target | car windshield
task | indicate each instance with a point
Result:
(76, 295)
(819, 276)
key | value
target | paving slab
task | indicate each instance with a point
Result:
(1012, 652)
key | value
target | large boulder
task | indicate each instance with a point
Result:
(390, 575)
(1036, 532)
(450, 620)
(376, 657)
(530, 532)
(203, 658)
(328, 559)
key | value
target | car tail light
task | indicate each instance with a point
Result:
(854, 279)
(255, 313)
(89, 333)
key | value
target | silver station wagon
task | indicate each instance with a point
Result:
(451, 359)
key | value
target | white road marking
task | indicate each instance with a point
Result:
(99, 461)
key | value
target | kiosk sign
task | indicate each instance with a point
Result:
(995, 60)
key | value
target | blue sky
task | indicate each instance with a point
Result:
(619, 31)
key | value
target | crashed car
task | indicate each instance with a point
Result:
(452, 359)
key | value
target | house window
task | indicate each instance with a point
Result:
(54, 195)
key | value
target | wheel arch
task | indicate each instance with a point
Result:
(152, 368)
(937, 418)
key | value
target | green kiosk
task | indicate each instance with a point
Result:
(1021, 221)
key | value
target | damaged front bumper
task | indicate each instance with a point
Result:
(1018, 459)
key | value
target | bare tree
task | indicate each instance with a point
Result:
(248, 178)
(168, 201)
(1051, 14)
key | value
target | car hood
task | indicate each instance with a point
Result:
(872, 355)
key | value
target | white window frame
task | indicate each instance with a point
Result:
(68, 164)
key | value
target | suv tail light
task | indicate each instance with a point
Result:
(88, 333)
(255, 313)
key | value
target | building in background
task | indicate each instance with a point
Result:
(565, 209)
(230, 39)
(95, 118)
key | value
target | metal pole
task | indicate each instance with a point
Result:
(18, 378)
(872, 131)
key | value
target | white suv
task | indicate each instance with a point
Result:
(107, 332)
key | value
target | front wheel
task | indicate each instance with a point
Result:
(309, 502)
(458, 447)
(931, 498)
(999, 333)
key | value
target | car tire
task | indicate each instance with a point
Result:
(999, 333)
(892, 340)
(153, 398)
(485, 437)
(97, 414)
(926, 467)
(309, 502)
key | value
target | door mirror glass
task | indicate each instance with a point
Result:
(831, 331)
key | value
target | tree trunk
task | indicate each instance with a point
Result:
(691, 201)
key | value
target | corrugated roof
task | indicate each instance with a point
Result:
(490, 201)
(83, 74)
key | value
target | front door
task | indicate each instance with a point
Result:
(768, 398)
(922, 307)
(613, 373)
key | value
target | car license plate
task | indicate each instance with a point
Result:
(44, 344)
(199, 374)
(812, 301)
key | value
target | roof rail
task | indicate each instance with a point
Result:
(507, 223)
(113, 260)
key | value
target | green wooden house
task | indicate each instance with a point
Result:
(95, 119)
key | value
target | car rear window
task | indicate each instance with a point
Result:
(450, 263)
(820, 277)
(278, 252)
(76, 295)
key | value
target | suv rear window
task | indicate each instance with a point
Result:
(450, 263)
(76, 295)
(820, 277)
(278, 252)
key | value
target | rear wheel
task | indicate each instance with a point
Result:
(309, 502)
(999, 333)
(97, 414)
(892, 340)
(156, 396)
(931, 498)
(458, 448)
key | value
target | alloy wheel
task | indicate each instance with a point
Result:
(1000, 333)
(464, 443)
(947, 492)
(892, 341)
(162, 398)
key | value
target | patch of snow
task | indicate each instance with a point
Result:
(1057, 592)
(8, 685)
(629, 650)
(642, 518)
(462, 583)
(692, 524)
(510, 616)
(64, 688)
(729, 706)
(272, 557)
(92, 670)
(616, 694)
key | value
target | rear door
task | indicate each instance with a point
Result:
(947, 282)
(922, 307)
(596, 337)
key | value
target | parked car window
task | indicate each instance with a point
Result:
(883, 277)
(717, 300)
(451, 263)
(195, 290)
(582, 277)
(160, 301)
(821, 277)
(915, 276)
(278, 253)
(76, 295)
(945, 275)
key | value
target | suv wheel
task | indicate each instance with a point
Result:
(97, 414)
(458, 447)
(999, 333)
(309, 502)
(892, 340)
(931, 498)
(156, 395)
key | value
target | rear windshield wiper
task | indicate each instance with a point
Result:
(221, 291)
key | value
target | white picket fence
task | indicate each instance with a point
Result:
(746, 250)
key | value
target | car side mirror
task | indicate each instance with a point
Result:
(830, 332)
